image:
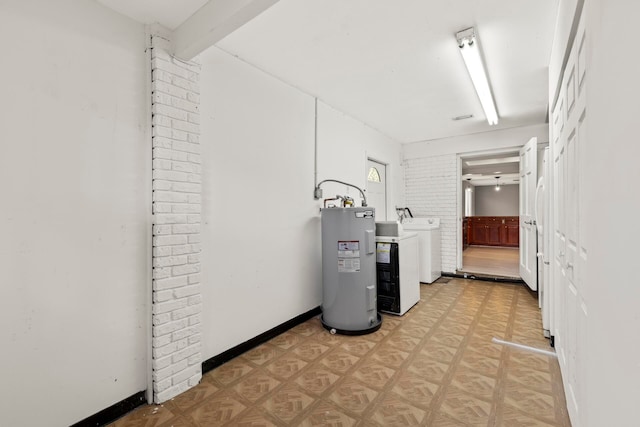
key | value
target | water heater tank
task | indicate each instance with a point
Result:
(349, 303)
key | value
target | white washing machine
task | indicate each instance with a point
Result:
(429, 246)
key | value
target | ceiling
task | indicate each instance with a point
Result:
(169, 13)
(394, 65)
(483, 170)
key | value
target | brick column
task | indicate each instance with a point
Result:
(177, 301)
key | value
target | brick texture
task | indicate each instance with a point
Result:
(177, 302)
(430, 189)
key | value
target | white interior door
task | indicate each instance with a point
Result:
(528, 232)
(543, 224)
(377, 188)
(569, 228)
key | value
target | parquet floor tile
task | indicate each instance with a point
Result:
(395, 411)
(218, 410)
(288, 402)
(328, 415)
(353, 396)
(255, 385)
(436, 366)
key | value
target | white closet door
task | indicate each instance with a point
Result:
(569, 229)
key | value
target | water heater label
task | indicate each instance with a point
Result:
(383, 253)
(348, 265)
(348, 256)
(365, 214)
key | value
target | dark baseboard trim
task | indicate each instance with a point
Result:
(226, 356)
(114, 412)
(483, 277)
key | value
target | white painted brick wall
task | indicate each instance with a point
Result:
(430, 191)
(177, 302)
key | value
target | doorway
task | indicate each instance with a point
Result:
(490, 214)
(377, 188)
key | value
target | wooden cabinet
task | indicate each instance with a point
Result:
(477, 233)
(494, 233)
(493, 230)
(511, 232)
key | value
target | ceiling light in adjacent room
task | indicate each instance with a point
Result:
(470, 50)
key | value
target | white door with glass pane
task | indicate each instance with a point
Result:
(377, 188)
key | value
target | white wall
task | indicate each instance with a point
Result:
(74, 252)
(344, 144)
(613, 349)
(432, 178)
(490, 202)
(500, 139)
(261, 259)
(260, 223)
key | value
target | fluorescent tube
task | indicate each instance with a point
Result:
(471, 54)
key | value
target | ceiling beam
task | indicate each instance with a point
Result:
(212, 22)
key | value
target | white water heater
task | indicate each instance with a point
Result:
(349, 291)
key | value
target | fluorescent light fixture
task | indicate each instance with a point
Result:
(470, 50)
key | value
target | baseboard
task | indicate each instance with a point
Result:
(483, 277)
(236, 351)
(114, 412)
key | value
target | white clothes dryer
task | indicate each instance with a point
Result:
(429, 246)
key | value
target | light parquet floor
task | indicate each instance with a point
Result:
(491, 260)
(434, 366)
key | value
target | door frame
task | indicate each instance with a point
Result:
(459, 195)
